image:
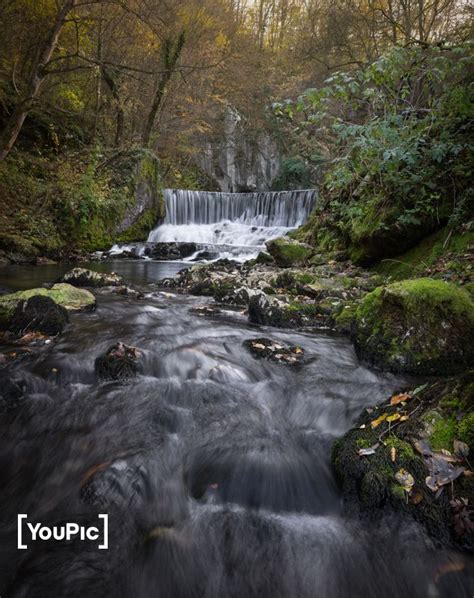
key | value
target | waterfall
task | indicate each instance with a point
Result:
(232, 225)
(269, 209)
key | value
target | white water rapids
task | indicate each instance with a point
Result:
(233, 225)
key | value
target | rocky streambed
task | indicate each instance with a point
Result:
(224, 421)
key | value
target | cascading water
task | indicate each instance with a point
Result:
(232, 224)
(214, 467)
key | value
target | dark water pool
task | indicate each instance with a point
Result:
(20, 277)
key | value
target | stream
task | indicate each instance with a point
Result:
(214, 467)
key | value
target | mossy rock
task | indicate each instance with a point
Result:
(369, 481)
(287, 252)
(65, 295)
(82, 277)
(344, 318)
(420, 326)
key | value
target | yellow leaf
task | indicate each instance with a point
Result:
(405, 479)
(379, 420)
(394, 417)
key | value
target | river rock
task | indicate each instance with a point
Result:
(287, 252)
(64, 295)
(170, 251)
(81, 277)
(205, 310)
(38, 313)
(265, 348)
(119, 362)
(421, 326)
(271, 311)
(264, 258)
(125, 291)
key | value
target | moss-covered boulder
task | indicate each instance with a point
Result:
(396, 459)
(81, 277)
(38, 314)
(287, 252)
(421, 326)
(65, 295)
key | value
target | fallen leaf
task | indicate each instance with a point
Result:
(445, 455)
(461, 449)
(450, 476)
(401, 398)
(394, 417)
(405, 479)
(417, 497)
(404, 418)
(393, 454)
(379, 420)
(423, 447)
(364, 452)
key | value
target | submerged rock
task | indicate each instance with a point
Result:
(421, 326)
(411, 453)
(205, 310)
(81, 277)
(265, 348)
(62, 295)
(120, 362)
(287, 252)
(12, 392)
(38, 313)
(125, 291)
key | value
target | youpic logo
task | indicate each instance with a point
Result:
(36, 532)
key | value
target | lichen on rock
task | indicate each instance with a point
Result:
(81, 277)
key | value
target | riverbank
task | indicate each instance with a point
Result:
(62, 206)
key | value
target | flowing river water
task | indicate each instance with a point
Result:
(214, 468)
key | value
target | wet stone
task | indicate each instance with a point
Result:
(205, 310)
(265, 348)
(40, 314)
(120, 362)
(81, 277)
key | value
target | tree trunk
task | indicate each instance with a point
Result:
(171, 53)
(120, 118)
(14, 124)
